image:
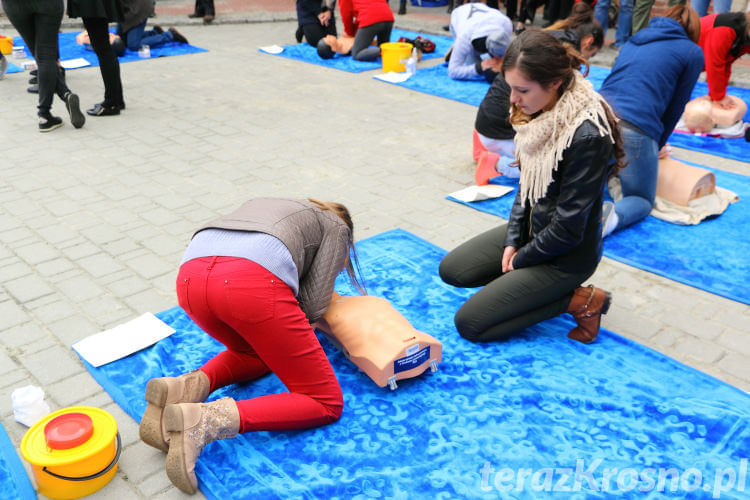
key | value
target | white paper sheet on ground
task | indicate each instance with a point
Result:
(75, 63)
(478, 193)
(393, 77)
(272, 49)
(122, 340)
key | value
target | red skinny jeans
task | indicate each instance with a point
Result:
(257, 317)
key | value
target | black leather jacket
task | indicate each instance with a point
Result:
(564, 226)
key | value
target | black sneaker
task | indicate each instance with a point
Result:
(34, 80)
(158, 29)
(74, 109)
(33, 89)
(47, 122)
(177, 36)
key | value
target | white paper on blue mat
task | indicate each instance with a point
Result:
(393, 77)
(122, 340)
(272, 49)
(75, 63)
(478, 193)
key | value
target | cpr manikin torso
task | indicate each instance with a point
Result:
(702, 114)
(378, 339)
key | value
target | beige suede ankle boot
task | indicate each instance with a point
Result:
(192, 387)
(192, 426)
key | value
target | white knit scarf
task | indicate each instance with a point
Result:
(540, 143)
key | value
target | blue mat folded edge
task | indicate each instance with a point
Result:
(638, 265)
(117, 395)
(15, 467)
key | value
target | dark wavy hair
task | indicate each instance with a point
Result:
(581, 13)
(540, 57)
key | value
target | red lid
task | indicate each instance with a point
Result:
(68, 431)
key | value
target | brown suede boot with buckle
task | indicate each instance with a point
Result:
(192, 426)
(193, 387)
(587, 306)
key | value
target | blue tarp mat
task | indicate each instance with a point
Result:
(712, 255)
(69, 49)
(435, 81)
(14, 482)
(307, 53)
(537, 416)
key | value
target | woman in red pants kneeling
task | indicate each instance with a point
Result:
(255, 280)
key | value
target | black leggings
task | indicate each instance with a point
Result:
(38, 22)
(315, 31)
(361, 50)
(109, 66)
(508, 302)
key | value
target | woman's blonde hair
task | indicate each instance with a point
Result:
(343, 213)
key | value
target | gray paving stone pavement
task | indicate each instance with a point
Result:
(93, 221)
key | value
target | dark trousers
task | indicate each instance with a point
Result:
(315, 31)
(109, 66)
(558, 9)
(205, 7)
(508, 302)
(38, 22)
(361, 50)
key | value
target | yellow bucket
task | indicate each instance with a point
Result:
(393, 53)
(72, 451)
(6, 44)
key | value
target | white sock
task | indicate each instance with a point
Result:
(611, 223)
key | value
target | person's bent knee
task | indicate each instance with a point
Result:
(464, 327)
(324, 50)
(333, 408)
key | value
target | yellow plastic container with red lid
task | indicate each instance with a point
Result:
(73, 452)
(6, 44)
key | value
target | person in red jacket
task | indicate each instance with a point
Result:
(724, 39)
(366, 20)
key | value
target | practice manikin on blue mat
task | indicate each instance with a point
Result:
(537, 401)
(69, 49)
(14, 482)
(307, 53)
(712, 255)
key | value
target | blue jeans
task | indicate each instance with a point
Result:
(638, 178)
(137, 36)
(720, 6)
(624, 19)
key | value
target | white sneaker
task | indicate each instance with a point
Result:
(609, 218)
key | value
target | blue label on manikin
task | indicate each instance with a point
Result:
(409, 362)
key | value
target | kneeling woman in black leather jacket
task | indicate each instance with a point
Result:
(532, 267)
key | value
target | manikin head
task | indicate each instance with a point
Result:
(697, 115)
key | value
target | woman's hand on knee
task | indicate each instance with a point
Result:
(508, 254)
